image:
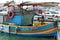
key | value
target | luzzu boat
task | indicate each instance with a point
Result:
(30, 23)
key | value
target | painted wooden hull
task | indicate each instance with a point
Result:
(46, 30)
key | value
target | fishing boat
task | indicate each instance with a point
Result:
(38, 20)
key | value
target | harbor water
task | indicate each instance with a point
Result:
(4, 36)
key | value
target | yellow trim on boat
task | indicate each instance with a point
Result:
(24, 27)
(39, 24)
(36, 31)
(12, 31)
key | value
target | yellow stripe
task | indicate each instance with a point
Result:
(50, 28)
(44, 22)
(24, 26)
(37, 30)
(50, 32)
(46, 29)
(12, 31)
(39, 24)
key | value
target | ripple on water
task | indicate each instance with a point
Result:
(4, 36)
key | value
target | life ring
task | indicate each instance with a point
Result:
(11, 14)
